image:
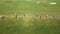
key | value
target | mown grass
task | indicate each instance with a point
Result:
(8, 7)
(33, 25)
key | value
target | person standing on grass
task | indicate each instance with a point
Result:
(24, 15)
(2, 17)
(16, 15)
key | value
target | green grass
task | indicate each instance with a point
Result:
(28, 25)
(13, 26)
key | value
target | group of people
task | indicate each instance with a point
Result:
(46, 16)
